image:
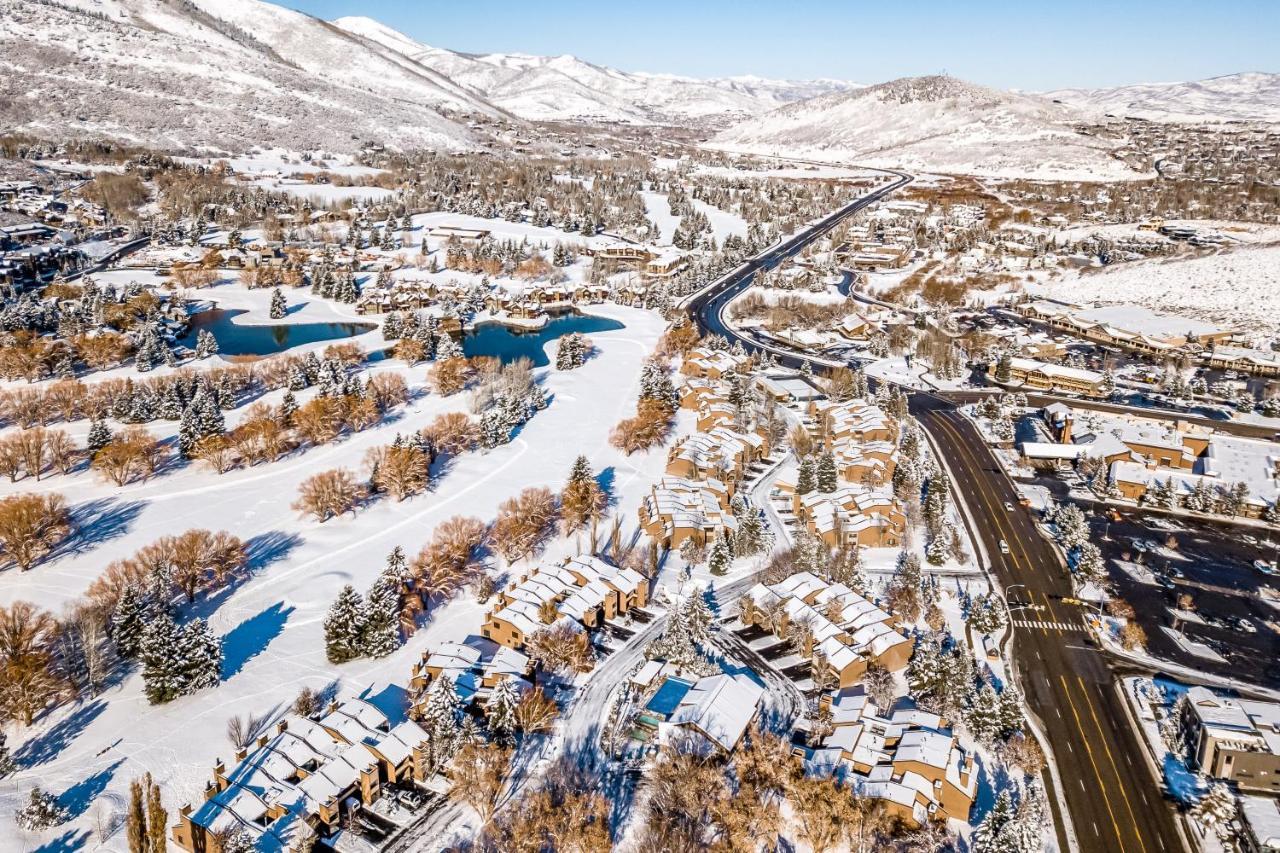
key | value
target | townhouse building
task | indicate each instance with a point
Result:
(844, 629)
(906, 758)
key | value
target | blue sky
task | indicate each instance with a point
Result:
(1031, 44)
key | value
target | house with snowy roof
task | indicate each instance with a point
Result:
(852, 421)
(310, 774)
(677, 509)
(907, 758)
(844, 630)
(707, 363)
(585, 590)
(717, 709)
(1029, 374)
(1236, 740)
(721, 453)
(475, 667)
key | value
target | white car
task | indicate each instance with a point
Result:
(1246, 626)
(1004, 547)
(1008, 506)
(1265, 567)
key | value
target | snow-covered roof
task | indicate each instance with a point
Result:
(1262, 816)
(720, 707)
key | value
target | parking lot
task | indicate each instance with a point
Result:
(1201, 580)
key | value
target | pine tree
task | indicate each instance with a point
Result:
(380, 634)
(397, 568)
(983, 715)
(162, 665)
(441, 718)
(986, 835)
(99, 435)
(128, 622)
(698, 618)
(805, 479)
(279, 308)
(750, 538)
(288, 405)
(42, 811)
(392, 327)
(1024, 832)
(343, 626)
(1011, 718)
(201, 661)
(501, 710)
(827, 476)
(721, 556)
(206, 344)
(7, 764)
(188, 432)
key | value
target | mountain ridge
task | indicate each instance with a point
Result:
(1243, 96)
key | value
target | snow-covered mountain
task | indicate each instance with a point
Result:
(228, 73)
(565, 88)
(1251, 96)
(934, 124)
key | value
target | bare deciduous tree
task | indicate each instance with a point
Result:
(479, 774)
(31, 526)
(524, 522)
(329, 494)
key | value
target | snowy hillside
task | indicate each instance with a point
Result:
(1239, 288)
(932, 123)
(565, 88)
(229, 73)
(1252, 96)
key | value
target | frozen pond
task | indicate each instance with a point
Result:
(508, 343)
(236, 339)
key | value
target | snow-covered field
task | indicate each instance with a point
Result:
(1236, 288)
(326, 194)
(271, 624)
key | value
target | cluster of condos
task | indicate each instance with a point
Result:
(1143, 453)
(908, 759)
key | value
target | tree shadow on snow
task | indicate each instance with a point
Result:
(270, 547)
(96, 522)
(50, 743)
(605, 480)
(77, 799)
(68, 842)
(251, 637)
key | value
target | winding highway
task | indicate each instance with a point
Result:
(1103, 780)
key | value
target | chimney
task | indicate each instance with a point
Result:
(262, 741)
(282, 727)
(241, 755)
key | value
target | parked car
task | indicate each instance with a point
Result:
(1267, 568)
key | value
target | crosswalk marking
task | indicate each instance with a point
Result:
(1056, 626)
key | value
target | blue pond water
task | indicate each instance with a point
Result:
(236, 339)
(508, 344)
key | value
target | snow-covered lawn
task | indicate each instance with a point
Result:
(659, 211)
(323, 195)
(272, 623)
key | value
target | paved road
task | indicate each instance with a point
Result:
(707, 307)
(1109, 791)
(1111, 794)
